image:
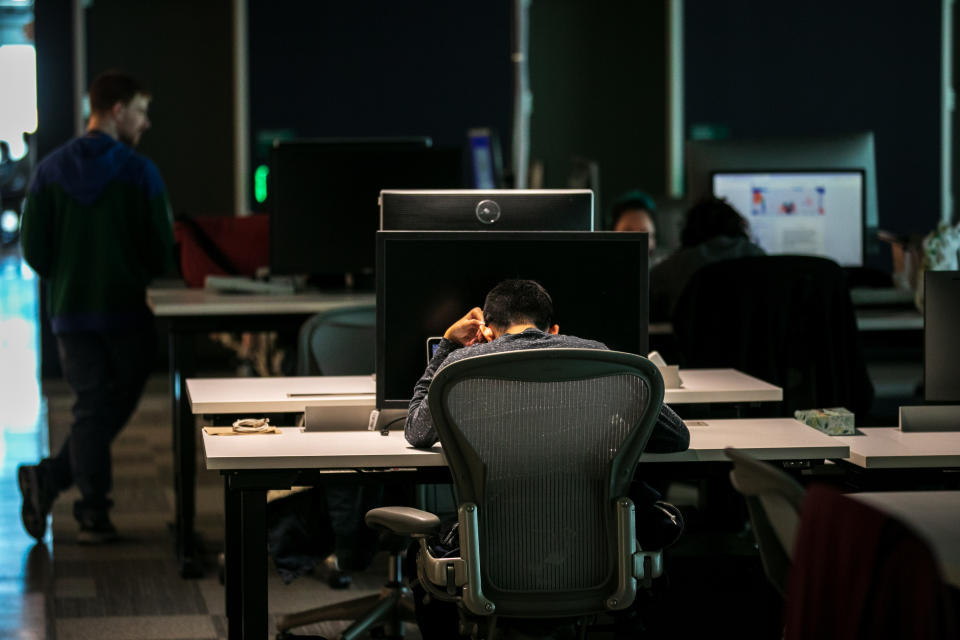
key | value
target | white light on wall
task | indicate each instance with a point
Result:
(9, 221)
(18, 108)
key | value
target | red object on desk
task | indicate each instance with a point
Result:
(859, 573)
(221, 245)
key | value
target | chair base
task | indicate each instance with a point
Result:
(391, 608)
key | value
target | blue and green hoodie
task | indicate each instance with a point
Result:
(97, 228)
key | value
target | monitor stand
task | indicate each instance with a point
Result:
(930, 417)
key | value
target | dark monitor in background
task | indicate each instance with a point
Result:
(818, 213)
(704, 158)
(486, 162)
(426, 280)
(941, 336)
(487, 210)
(324, 195)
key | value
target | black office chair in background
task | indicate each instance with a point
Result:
(787, 320)
(338, 343)
(542, 445)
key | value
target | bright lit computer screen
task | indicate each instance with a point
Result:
(819, 213)
(426, 280)
(485, 161)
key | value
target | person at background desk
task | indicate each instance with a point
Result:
(96, 228)
(636, 211)
(518, 315)
(712, 231)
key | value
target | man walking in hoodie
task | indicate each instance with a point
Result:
(96, 228)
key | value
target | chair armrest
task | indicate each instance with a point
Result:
(404, 521)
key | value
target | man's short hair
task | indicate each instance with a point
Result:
(632, 201)
(709, 218)
(518, 302)
(111, 87)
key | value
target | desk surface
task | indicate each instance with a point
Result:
(889, 320)
(276, 395)
(202, 302)
(935, 515)
(890, 448)
(867, 320)
(767, 439)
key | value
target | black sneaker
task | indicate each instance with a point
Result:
(96, 528)
(37, 500)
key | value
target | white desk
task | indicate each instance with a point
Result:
(889, 320)
(203, 302)
(867, 320)
(890, 448)
(279, 395)
(935, 515)
(190, 312)
(764, 438)
(251, 464)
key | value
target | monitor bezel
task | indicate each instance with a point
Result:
(494, 193)
(638, 238)
(847, 170)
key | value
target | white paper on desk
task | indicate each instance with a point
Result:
(669, 372)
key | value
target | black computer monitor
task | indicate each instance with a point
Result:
(815, 212)
(941, 339)
(324, 196)
(487, 210)
(426, 280)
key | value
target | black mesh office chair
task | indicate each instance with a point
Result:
(542, 445)
(787, 320)
(338, 343)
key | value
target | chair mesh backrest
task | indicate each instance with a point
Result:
(338, 343)
(547, 448)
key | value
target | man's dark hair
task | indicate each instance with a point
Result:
(111, 87)
(709, 218)
(633, 201)
(518, 302)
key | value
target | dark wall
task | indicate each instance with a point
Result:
(776, 69)
(598, 76)
(182, 51)
(55, 91)
(340, 69)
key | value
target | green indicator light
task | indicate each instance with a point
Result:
(260, 182)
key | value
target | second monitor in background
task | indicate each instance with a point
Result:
(487, 210)
(818, 213)
(324, 195)
(427, 280)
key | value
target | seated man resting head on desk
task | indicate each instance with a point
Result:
(518, 314)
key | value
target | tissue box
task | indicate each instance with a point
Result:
(669, 372)
(836, 421)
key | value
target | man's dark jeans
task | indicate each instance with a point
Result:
(107, 371)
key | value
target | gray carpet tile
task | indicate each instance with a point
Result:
(178, 627)
(147, 587)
